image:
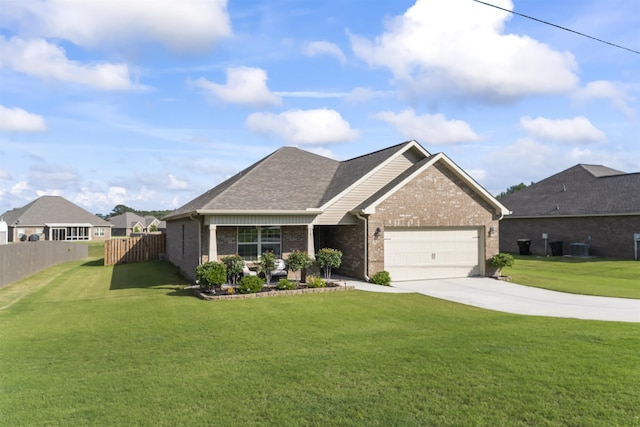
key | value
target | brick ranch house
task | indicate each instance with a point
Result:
(586, 207)
(401, 209)
(54, 218)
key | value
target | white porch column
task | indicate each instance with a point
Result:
(213, 244)
(310, 243)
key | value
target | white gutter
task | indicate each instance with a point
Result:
(309, 211)
(366, 244)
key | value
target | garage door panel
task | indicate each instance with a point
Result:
(413, 254)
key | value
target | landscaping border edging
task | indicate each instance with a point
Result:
(205, 297)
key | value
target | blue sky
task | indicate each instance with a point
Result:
(149, 103)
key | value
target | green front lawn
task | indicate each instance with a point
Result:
(589, 276)
(84, 344)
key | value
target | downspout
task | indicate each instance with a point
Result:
(199, 238)
(366, 245)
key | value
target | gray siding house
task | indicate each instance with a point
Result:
(401, 209)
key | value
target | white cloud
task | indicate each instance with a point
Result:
(245, 85)
(19, 187)
(180, 25)
(324, 47)
(177, 184)
(459, 46)
(429, 128)
(320, 126)
(47, 61)
(617, 93)
(19, 120)
(578, 129)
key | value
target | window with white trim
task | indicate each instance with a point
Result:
(69, 233)
(254, 241)
(98, 231)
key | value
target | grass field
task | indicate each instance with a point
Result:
(84, 344)
(589, 276)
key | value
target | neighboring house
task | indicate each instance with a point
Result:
(129, 222)
(400, 209)
(54, 218)
(589, 208)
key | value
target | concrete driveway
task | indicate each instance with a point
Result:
(512, 298)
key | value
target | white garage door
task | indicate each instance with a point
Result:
(414, 254)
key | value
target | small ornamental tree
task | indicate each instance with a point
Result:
(297, 261)
(153, 228)
(211, 274)
(234, 264)
(327, 259)
(500, 261)
(267, 264)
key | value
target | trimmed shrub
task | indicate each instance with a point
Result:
(267, 264)
(211, 274)
(315, 282)
(297, 261)
(286, 285)
(500, 261)
(381, 278)
(250, 285)
(234, 264)
(327, 259)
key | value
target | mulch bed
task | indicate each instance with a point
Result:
(271, 291)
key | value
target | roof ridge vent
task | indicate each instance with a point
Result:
(564, 188)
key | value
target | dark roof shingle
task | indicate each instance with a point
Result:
(579, 190)
(52, 210)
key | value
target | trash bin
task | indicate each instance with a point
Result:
(524, 245)
(556, 248)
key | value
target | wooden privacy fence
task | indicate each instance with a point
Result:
(134, 249)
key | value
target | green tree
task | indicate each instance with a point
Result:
(327, 259)
(235, 265)
(514, 188)
(298, 260)
(267, 264)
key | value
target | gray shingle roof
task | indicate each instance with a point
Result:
(52, 210)
(287, 179)
(579, 190)
(127, 220)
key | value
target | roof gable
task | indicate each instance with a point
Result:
(127, 220)
(368, 206)
(579, 190)
(52, 210)
(355, 170)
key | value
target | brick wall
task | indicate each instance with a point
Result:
(182, 245)
(349, 239)
(436, 198)
(610, 236)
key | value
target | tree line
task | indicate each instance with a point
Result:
(120, 209)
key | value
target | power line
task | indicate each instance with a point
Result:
(558, 26)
